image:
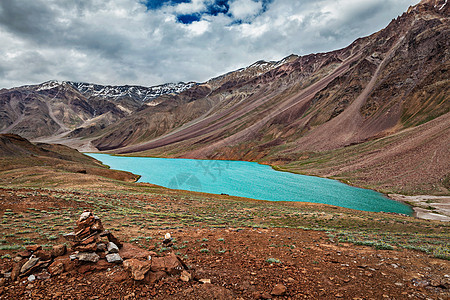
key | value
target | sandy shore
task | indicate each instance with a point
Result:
(82, 145)
(427, 207)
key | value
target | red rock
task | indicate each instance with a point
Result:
(137, 268)
(152, 277)
(59, 250)
(131, 251)
(43, 255)
(266, 295)
(100, 265)
(39, 266)
(85, 248)
(16, 269)
(24, 253)
(113, 239)
(86, 223)
(279, 290)
(69, 265)
(119, 277)
(43, 275)
(169, 264)
(82, 233)
(97, 226)
(89, 240)
(88, 257)
(56, 268)
(33, 248)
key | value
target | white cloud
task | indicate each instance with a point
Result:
(191, 7)
(244, 9)
(122, 42)
(197, 28)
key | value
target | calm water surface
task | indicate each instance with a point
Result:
(251, 180)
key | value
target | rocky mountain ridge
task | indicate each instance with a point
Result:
(58, 107)
(116, 92)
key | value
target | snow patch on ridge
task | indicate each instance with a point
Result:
(140, 93)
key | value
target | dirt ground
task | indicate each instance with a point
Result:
(240, 262)
(253, 262)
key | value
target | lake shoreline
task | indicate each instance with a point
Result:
(420, 204)
(427, 207)
(252, 180)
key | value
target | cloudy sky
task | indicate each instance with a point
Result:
(148, 42)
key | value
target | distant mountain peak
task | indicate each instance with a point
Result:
(114, 92)
(141, 93)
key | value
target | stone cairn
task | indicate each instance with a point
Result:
(91, 242)
(94, 248)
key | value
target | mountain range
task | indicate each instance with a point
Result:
(374, 114)
(58, 107)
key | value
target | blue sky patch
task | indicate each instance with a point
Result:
(212, 8)
(188, 19)
(218, 7)
(156, 4)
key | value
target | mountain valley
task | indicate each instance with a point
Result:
(375, 114)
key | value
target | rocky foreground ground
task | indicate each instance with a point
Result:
(250, 264)
(204, 258)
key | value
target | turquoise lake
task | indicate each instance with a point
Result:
(251, 180)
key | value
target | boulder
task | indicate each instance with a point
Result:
(88, 257)
(99, 266)
(93, 238)
(101, 247)
(97, 226)
(43, 255)
(59, 250)
(56, 268)
(82, 233)
(86, 223)
(86, 214)
(278, 290)
(170, 264)
(112, 248)
(131, 251)
(85, 248)
(113, 258)
(137, 268)
(30, 263)
(152, 277)
(15, 272)
(24, 253)
(111, 238)
(33, 248)
(185, 276)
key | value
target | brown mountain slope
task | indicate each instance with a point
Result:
(20, 159)
(53, 110)
(45, 110)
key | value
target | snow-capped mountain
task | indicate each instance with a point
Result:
(111, 92)
(57, 107)
(144, 94)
